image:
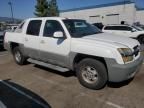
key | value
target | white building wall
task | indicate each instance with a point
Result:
(107, 15)
(140, 16)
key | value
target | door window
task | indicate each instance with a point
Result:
(34, 27)
(120, 28)
(124, 28)
(52, 26)
(110, 28)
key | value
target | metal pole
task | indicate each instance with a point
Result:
(11, 8)
(124, 5)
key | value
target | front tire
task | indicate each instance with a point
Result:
(92, 73)
(18, 56)
(141, 39)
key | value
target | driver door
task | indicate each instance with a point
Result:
(54, 50)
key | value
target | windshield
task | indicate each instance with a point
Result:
(137, 28)
(80, 28)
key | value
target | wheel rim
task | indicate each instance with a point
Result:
(17, 56)
(90, 74)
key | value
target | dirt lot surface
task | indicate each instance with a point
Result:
(32, 86)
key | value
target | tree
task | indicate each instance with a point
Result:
(53, 8)
(41, 8)
(46, 9)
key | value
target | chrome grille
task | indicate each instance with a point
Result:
(136, 50)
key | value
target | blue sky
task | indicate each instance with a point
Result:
(25, 8)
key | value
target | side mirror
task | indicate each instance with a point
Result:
(58, 34)
(133, 30)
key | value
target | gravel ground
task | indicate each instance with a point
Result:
(32, 86)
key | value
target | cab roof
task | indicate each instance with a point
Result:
(44, 18)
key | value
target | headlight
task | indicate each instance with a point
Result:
(126, 53)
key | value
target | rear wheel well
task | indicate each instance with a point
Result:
(13, 45)
(80, 57)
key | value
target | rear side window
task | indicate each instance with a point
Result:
(121, 28)
(34, 27)
(110, 28)
(124, 28)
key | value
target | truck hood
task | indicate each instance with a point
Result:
(115, 39)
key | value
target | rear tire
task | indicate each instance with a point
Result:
(92, 73)
(18, 56)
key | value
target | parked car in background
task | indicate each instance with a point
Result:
(126, 30)
(73, 44)
(139, 25)
(1, 38)
(98, 25)
(142, 26)
(13, 28)
(2, 32)
(138, 28)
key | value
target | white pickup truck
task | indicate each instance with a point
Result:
(73, 44)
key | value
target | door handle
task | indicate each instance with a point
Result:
(42, 41)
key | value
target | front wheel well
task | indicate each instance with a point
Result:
(80, 57)
(140, 36)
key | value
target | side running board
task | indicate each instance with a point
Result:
(54, 67)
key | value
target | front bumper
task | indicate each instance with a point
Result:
(121, 72)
